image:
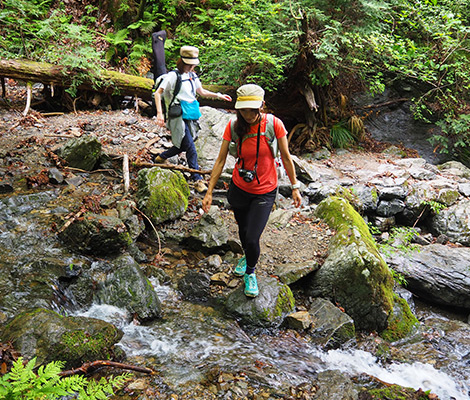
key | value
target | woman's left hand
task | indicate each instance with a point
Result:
(296, 197)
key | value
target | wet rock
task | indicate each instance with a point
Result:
(300, 320)
(334, 385)
(127, 287)
(274, 302)
(195, 286)
(51, 337)
(331, 327)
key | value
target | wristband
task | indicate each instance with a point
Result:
(295, 186)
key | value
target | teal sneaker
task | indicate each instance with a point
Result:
(251, 285)
(241, 267)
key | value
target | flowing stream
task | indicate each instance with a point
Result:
(191, 339)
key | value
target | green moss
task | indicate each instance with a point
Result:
(400, 322)
(394, 392)
(285, 301)
(161, 192)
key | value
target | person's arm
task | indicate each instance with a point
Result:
(290, 169)
(211, 95)
(158, 104)
(215, 174)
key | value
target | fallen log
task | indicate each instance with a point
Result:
(171, 166)
(109, 82)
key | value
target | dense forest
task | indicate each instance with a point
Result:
(312, 56)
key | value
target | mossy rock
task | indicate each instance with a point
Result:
(50, 337)
(162, 194)
(354, 276)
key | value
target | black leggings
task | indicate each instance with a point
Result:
(251, 213)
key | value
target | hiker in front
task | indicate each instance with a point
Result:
(179, 89)
(254, 138)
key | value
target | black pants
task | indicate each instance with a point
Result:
(251, 213)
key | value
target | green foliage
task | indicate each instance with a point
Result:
(341, 136)
(456, 134)
(31, 34)
(400, 240)
(435, 206)
(23, 383)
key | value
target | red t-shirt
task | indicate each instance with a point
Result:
(266, 169)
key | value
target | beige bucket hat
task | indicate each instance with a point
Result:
(189, 55)
(249, 96)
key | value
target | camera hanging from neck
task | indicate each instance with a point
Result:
(257, 150)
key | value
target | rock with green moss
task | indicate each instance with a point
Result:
(274, 302)
(354, 275)
(162, 194)
(50, 337)
(82, 153)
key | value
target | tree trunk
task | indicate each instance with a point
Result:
(111, 82)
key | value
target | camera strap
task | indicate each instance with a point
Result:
(258, 136)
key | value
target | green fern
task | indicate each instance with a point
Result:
(23, 383)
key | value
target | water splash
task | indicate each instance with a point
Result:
(416, 375)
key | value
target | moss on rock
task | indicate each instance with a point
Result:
(162, 194)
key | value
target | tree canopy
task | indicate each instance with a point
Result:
(328, 48)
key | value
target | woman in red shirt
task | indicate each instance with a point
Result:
(253, 187)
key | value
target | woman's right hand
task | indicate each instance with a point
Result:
(206, 202)
(160, 120)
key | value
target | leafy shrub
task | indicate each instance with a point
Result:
(23, 383)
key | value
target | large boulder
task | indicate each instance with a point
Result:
(162, 194)
(274, 302)
(437, 273)
(354, 275)
(52, 337)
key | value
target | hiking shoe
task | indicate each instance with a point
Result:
(200, 186)
(241, 267)
(251, 285)
(160, 160)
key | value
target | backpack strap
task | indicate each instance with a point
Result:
(269, 133)
(177, 86)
